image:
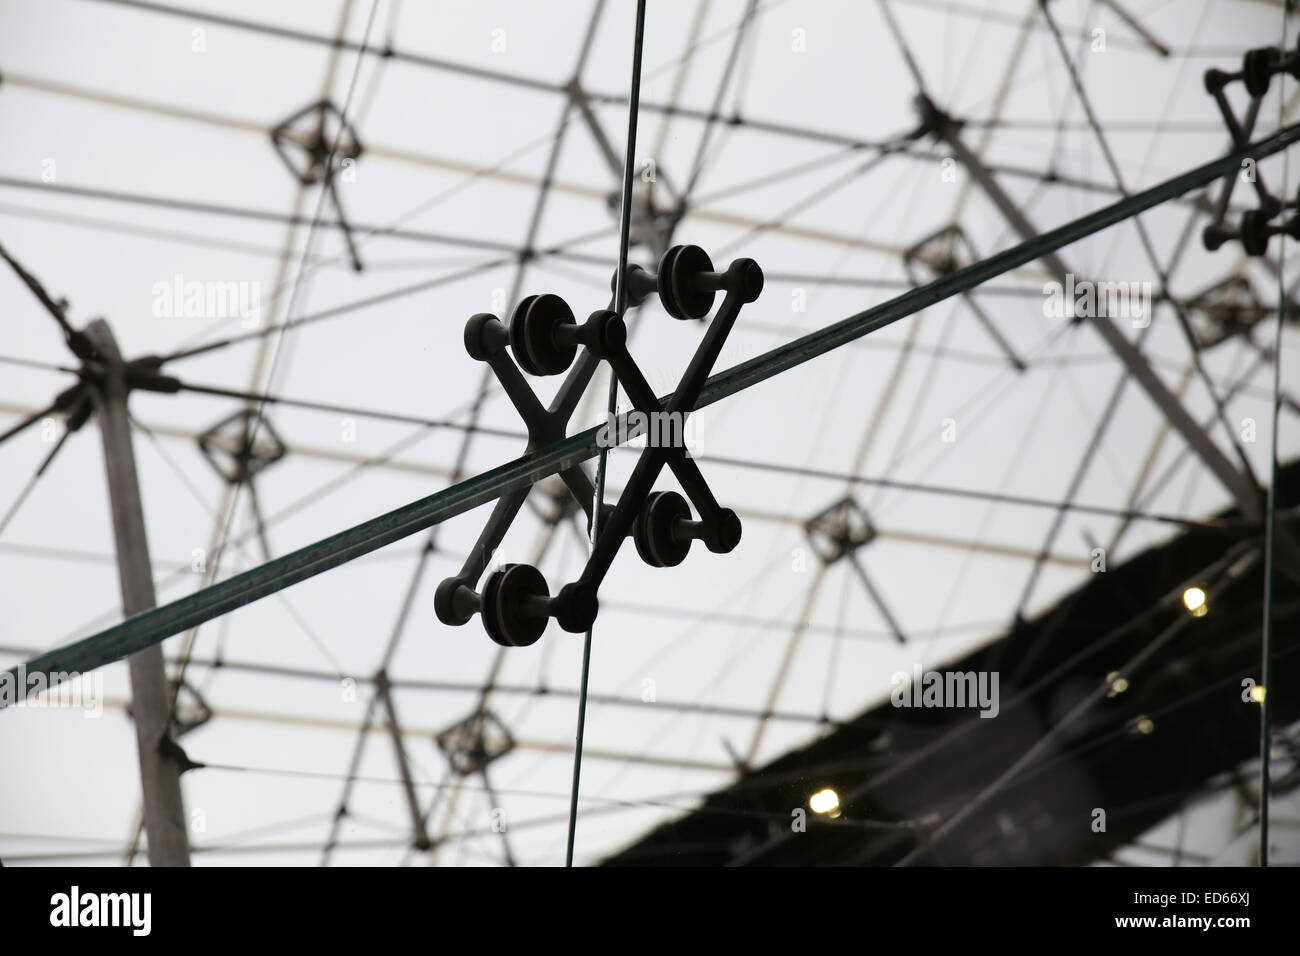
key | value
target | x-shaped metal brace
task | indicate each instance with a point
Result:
(515, 602)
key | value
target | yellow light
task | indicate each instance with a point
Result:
(825, 801)
(1117, 683)
(1257, 693)
(1145, 725)
(1194, 601)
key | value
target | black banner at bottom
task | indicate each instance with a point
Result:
(219, 905)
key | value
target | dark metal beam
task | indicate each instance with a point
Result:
(160, 764)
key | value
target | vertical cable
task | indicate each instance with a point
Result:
(620, 306)
(1270, 516)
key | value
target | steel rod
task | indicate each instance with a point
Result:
(620, 306)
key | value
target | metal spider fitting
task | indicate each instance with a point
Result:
(1256, 227)
(515, 601)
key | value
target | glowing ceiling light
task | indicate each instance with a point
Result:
(825, 801)
(1194, 601)
(1257, 693)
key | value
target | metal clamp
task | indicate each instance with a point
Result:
(1256, 227)
(545, 339)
